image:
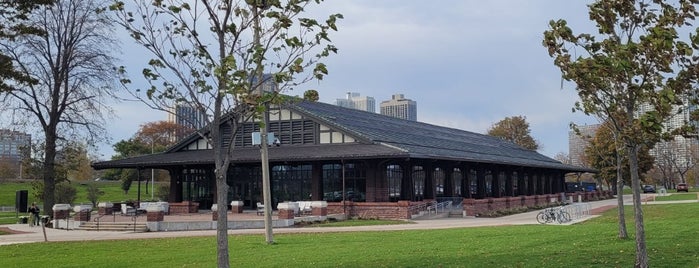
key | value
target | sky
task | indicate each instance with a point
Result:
(468, 64)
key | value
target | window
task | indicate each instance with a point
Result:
(439, 181)
(291, 183)
(419, 182)
(354, 178)
(394, 175)
(456, 179)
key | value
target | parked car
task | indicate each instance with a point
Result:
(648, 189)
(682, 187)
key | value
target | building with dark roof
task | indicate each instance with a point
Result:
(333, 153)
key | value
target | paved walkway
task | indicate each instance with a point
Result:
(35, 234)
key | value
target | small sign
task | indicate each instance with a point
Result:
(257, 138)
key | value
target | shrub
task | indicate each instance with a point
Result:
(163, 192)
(65, 193)
(93, 193)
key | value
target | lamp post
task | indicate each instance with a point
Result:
(264, 155)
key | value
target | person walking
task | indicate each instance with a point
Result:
(34, 215)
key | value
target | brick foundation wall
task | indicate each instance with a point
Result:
(372, 210)
(184, 207)
(105, 211)
(82, 215)
(61, 214)
(155, 216)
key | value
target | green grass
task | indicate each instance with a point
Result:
(671, 242)
(677, 197)
(112, 192)
(9, 217)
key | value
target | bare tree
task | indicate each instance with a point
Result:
(229, 60)
(73, 69)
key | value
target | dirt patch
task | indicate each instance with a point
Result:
(5, 230)
(600, 210)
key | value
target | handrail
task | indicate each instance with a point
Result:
(430, 207)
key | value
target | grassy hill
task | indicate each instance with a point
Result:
(112, 192)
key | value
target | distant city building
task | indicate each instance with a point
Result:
(678, 150)
(355, 101)
(186, 115)
(14, 146)
(578, 143)
(400, 107)
(268, 84)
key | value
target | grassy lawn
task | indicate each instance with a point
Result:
(9, 217)
(677, 197)
(112, 192)
(590, 244)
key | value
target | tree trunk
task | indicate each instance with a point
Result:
(641, 252)
(623, 234)
(49, 172)
(222, 221)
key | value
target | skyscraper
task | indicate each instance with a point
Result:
(400, 107)
(14, 146)
(578, 143)
(186, 115)
(355, 101)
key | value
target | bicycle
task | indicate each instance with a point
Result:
(553, 214)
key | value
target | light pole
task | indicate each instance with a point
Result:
(152, 171)
(264, 156)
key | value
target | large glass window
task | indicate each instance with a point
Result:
(196, 186)
(489, 184)
(355, 182)
(394, 175)
(439, 181)
(419, 182)
(501, 183)
(291, 183)
(456, 181)
(473, 182)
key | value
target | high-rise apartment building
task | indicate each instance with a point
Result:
(678, 150)
(355, 101)
(188, 116)
(577, 142)
(14, 146)
(400, 107)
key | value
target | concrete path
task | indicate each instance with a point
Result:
(35, 234)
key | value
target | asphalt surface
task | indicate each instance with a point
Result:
(28, 234)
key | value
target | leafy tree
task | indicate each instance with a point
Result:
(213, 54)
(602, 153)
(14, 24)
(71, 66)
(635, 59)
(516, 130)
(93, 193)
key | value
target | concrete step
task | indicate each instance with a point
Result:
(113, 226)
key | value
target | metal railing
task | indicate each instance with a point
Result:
(7, 209)
(431, 207)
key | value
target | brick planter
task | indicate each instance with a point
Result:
(155, 213)
(286, 211)
(82, 212)
(237, 206)
(105, 208)
(61, 211)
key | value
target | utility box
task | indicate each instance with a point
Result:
(21, 198)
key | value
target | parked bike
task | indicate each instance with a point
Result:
(556, 214)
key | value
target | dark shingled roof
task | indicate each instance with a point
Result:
(423, 140)
(379, 136)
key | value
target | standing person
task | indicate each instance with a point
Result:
(34, 215)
